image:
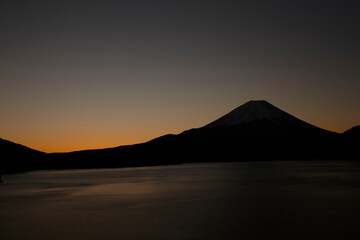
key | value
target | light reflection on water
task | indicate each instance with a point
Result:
(284, 200)
(122, 189)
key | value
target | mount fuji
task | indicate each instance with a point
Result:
(253, 111)
(260, 118)
(256, 130)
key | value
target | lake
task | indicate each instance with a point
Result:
(248, 200)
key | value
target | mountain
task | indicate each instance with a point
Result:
(16, 157)
(351, 142)
(262, 118)
(255, 111)
(353, 132)
(256, 130)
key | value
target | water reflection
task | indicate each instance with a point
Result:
(122, 189)
(286, 200)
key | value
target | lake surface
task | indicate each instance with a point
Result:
(256, 200)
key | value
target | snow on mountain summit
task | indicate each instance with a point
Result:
(253, 111)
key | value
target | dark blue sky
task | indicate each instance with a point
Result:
(87, 74)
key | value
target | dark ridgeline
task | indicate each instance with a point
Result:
(351, 142)
(18, 158)
(353, 133)
(256, 130)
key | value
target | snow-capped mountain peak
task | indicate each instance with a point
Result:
(254, 111)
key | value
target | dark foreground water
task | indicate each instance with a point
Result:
(277, 200)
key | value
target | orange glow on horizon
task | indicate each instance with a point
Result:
(96, 129)
(101, 141)
(64, 145)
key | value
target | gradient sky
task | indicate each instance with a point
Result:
(92, 74)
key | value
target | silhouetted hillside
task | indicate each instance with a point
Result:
(353, 132)
(16, 157)
(351, 143)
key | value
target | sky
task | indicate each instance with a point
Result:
(93, 74)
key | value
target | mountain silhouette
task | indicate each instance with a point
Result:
(256, 130)
(351, 142)
(255, 111)
(17, 158)
(353, 132)
(262, 118)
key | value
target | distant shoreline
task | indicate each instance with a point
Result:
(185, 163)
